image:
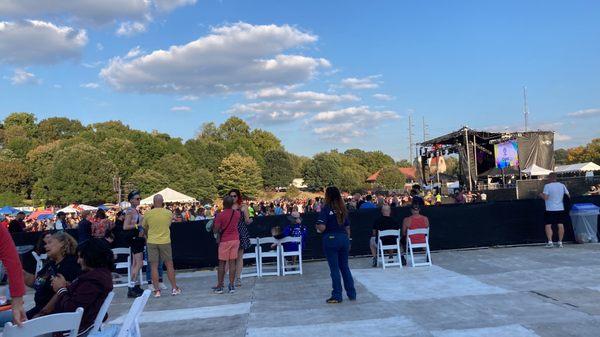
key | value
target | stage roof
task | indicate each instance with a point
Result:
(458, 136)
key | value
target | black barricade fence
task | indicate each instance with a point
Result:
(494, 223)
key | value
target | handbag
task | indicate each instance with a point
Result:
(218, 234)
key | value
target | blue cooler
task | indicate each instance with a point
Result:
(585, 222)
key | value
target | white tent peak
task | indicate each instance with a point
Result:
(535, 170)
(169, 195)
(579, 167)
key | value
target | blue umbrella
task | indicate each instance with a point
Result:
(45, 216)
(9, 210)
(103, 207)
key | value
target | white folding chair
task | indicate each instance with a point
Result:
(412, 246)
(131, 326)
(394, 248)
(103, 310)
(67, 321)
(295, 268)
(269, 253)
(39, 261)
(125, 265)
(252, 255)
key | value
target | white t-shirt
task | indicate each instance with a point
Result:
(59, 225)
(555, 192)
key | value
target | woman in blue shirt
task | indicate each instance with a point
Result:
(334, 224)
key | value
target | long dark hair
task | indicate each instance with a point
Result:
(333, 199)
(238, 193)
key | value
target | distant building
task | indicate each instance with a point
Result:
(299, 183)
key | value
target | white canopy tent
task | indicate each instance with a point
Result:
(169, 195)
(535, 170)
(68, 209)
(579, 167)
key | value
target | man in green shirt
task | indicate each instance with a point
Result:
(157, 224)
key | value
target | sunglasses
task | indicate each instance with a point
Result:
(233, 195)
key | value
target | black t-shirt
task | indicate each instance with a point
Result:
(68, 267)
(386, 223)
(16, 226)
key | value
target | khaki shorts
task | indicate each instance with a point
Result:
(161, 252)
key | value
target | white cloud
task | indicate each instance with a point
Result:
(585, 113)
(282, 104)
(92, 65)
(361, 83)
(561, 137)
(21, 77)
(38, 42)
(99, 46)
(129, 28)
(93, 11)
(384, 97)
(169, 5)
(90, 85)
(134, 52)
(234, 58)
(181, 108)
(343, 125)
(188, 98)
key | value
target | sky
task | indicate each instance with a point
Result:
(318, 74)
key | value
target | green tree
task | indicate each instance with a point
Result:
(55, 128)
(25, 120)
(297, 163)
(325, 169)
(391, 178)
(16, 177)
(147, 181)
(80, 173)
(582, 154)
(404, 163)
(242, 172)
(353, 178)
(181, 175)
(265, 141)
(561, 156)
(233, 128)
(278, 169)
(123, 154)
(10, 199)
(206, 154)
(292, 192)
(209, 132)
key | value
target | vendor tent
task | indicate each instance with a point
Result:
(169, 195)
(535, 170)
(579, 167)
(9, 210)
(69, 209)
(83, 207)
(36, 214)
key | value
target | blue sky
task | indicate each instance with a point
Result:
(318, 74)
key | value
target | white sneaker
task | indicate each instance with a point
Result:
(560, 245)
(549, 245)
(162, 286)
(151, 287)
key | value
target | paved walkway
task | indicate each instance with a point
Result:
(518, 292)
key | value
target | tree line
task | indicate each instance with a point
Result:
(58, 161)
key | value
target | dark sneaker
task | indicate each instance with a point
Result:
(352, 298)
(131, 293)
(231, 289)
(333, 301)
(374, 263)
(218, 290)
(138, 289)
(403, 260)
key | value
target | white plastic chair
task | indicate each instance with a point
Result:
(412, 246)
(68, 321)
(131, 326)
(103, 310)
(395, 248)
(297, 253)
(39, 261)
(125, 265)
(252, 255)
(262, 254)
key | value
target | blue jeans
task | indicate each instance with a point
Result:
(336, 247)
(148, 268)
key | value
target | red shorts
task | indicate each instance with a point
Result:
(228, 250)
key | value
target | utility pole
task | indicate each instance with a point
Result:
(425, 129)
(410, 138)
(525, 109)
(117, 187)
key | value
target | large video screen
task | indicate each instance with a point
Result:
(507, 154)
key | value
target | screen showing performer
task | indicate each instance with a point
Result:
(507, 154)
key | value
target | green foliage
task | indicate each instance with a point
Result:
(353, 178)
(324, 170)
(298, 163)
(372, 161)
(147, 181)
(292, 192)
(233, 128)
(241, 172)
(278, 169)
(15, 177)
(10, 199)
(181, 175)
(404, 163)
(56, 128)
(265, 141)
(80, 173)
(123, 154)
(561, 156)
(584, 154)
(24, 120)
(390, 178)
